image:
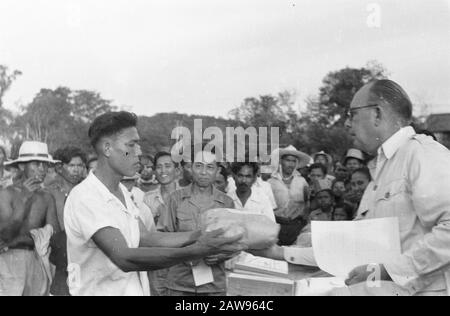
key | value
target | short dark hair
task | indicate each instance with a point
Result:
(348, 209)
(92, 159)
(163, 154)
(365, 171)
(66, 154)
(319, 166)
(109, 124)
(224, 172)
(395, 96)
(237, 166)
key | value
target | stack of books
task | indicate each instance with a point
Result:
(256, 276)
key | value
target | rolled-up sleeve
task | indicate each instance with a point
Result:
(429, 188)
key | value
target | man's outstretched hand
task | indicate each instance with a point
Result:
(366, 273)
(214, 243)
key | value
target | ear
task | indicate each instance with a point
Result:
(105, 146)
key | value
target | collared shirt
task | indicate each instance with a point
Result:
(266, 189)
(290, 198)
(184, 215)
(138, 196)
(257, 203)
(155, 202)
(412, 182)
(89, 208)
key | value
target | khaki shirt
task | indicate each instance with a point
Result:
(184, 215)
(412, 182)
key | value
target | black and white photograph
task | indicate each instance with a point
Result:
(224, 154)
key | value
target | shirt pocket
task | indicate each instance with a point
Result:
(391, 200)
(186, 222)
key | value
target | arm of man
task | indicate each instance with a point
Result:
(166, 240)
(113, 244)
(51, 214)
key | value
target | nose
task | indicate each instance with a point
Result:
(348, 124)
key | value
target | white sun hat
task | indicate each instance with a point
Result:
(32, 151)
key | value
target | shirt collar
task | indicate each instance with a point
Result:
(218, 196)
(390, 146)
(279, 176)
(104, 192)
(253, 197)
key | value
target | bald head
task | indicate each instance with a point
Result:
(391, 94)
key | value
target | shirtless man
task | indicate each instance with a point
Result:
(25, 207)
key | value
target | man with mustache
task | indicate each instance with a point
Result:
(247, 197)
(25, 208)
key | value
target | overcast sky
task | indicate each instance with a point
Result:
(206, 56)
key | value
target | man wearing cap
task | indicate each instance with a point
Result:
(404, 174)
(354, 160)
(326, 160)
(291, 192)
(27, 219)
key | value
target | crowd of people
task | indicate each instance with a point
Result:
(78, 224)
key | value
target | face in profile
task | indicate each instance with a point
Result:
(204, 169)
(124, 152)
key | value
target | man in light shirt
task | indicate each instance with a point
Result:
(107, 242)
(406, 173)
(247, 197)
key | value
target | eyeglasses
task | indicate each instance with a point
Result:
(351, 112)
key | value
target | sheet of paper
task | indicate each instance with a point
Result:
(266, 264)
(318, 286)
(203, 274)
(339, 247)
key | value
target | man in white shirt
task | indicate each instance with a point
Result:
(246, 197)
(411, 182)
(107, 242)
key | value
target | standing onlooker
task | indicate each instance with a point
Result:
(247, 197)
(291, 193)
(69, 172)
(185, 209)
(354, 160)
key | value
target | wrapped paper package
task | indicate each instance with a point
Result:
(259, 231)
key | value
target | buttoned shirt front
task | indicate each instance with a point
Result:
(89, 208)
(184, 215)
(412, 182)
(290, 198)
(155, 202)
(257, 203)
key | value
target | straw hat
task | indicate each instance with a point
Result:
(303, 159)
(355, 154)
(32, 151)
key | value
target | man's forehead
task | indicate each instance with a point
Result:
(129, 134)
(363, 96)
(205, 157)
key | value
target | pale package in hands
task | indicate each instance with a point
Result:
(258, 230)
